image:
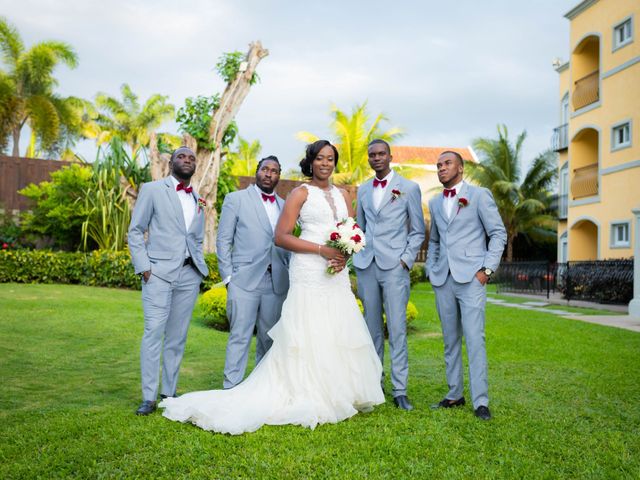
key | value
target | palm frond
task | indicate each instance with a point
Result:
(10, 43)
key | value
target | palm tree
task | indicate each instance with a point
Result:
(244, 161)
(128, 120)
(525, 205)
(352, 136)
(27, 91)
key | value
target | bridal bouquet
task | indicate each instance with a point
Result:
(347, 237)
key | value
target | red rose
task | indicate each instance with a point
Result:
(5, 246)
(355, 225)
(356, 238)
(395, 191)
(463, 202)
(335, 236)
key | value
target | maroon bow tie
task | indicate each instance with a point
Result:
(381, 183)
(268, 198)
(181, 186)
(449, 192)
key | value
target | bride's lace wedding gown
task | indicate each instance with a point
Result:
(322, 367)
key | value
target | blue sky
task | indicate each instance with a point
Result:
(445, 72)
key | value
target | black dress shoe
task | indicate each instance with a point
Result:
(446, 403)
(163, 396)
(402, 402)
(483, 413)
(147, 407)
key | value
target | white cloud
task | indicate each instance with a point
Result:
(445, 72)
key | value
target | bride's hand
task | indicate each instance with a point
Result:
(338, 265)
(330, 253)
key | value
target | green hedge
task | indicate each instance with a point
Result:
(97, 268)
(213, 305)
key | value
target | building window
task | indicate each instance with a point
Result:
(623, 33)
(563, 252)
(621, 135)
(620, 235)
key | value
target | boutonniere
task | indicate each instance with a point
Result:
(201, 204)
(462, 202)
(395, 194)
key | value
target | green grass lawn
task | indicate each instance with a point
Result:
(565, 397)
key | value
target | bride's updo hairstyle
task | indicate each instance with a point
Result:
(312, 152)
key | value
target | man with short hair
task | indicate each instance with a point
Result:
(459, 265)
(390, 214)
(171, 265)
(252, 267)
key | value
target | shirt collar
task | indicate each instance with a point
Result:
(259, 190)
(458, 186)
(387, 178)
(176, 181)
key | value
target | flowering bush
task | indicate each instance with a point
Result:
(213, 305)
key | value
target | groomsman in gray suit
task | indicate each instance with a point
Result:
(171, 265)
(466, 241)
(390, 213)
(252, 267)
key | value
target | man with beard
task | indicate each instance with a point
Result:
(466, 241)
(171, 266)
(252, 267)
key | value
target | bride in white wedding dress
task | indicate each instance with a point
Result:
(322, 366)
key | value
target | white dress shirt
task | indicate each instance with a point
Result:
(378, 192)
(188, 203)
(449, 202)
(272, 208)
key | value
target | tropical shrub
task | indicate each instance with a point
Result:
(417, 273)
(214, 276)
(213, 305)
(58, 212)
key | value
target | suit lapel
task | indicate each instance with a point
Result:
(456, 207)
(440, 208)
(260, 210)
(393, 185)
(175, 202)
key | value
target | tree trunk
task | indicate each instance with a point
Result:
(159, 161)
(16, 141)
(510, 239)
(206, 178)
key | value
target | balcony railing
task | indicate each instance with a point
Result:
(563, 206)
(586, 90)
(585, 181)
(560, 139)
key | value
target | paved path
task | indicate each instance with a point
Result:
(540, 305)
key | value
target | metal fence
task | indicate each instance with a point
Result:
(602, 281)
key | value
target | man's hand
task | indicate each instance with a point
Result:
(482, 277)
(146, 275)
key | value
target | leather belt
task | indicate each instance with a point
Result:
(269, 268)
(188, 261)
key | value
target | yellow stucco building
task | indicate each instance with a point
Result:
(598, 138)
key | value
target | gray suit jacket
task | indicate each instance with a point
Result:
(395, 231)
(459, 244)
(158, 211)
(245, 243)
